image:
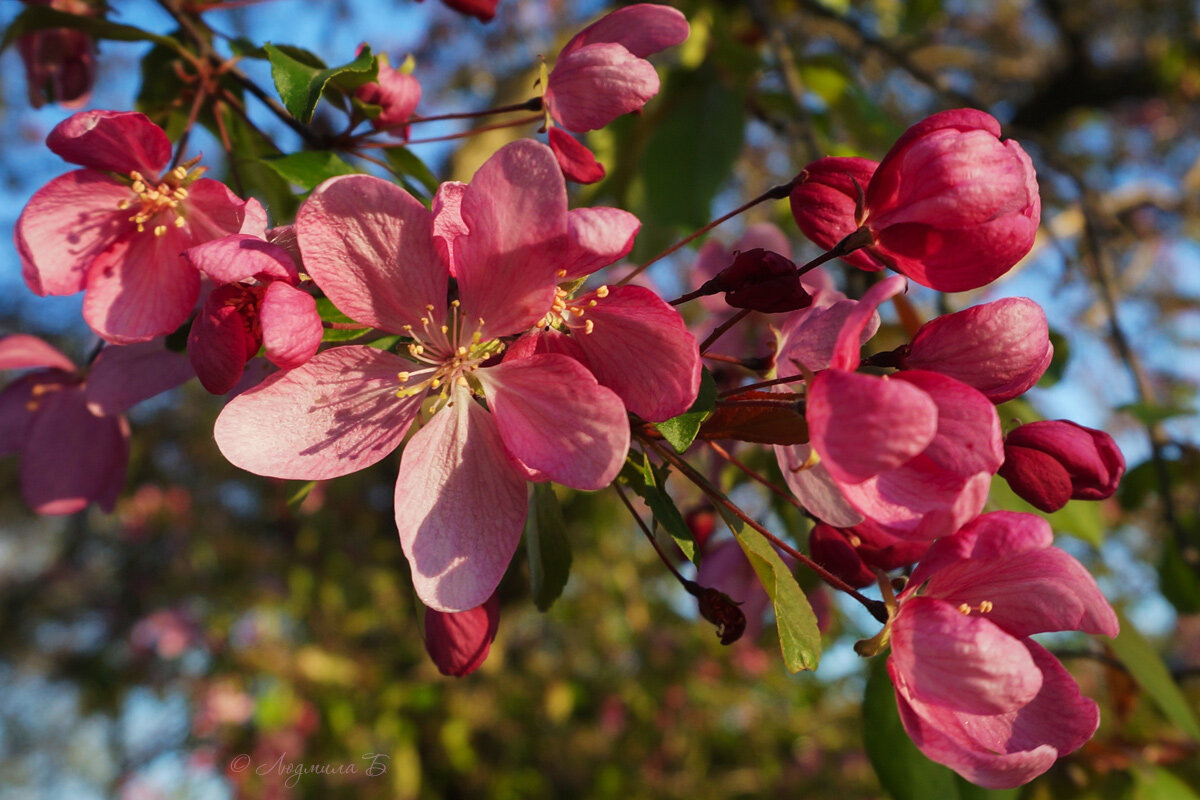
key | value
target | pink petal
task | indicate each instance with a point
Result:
(368, 245)
(291, 326)
(219, 345)
(999, 348)
(555, 418)
(145, 291)
(598, 237)
(21, 351)
(643, 29)
(122, 377)
(825, 204)
(460, 506)
(459, 641)
(240, 257)
(98, 449)
(66, 225)
(18, 407)
(863, 425)
(989, 536)
(516, 210)
(960, 662)
(846, 351)
(640, 348)
(336, 414)
(448, 223)
(920, 500)
(595, 84)
(577, 162)
(766, 235)
(213, 211)
(968, 429)
(808, 336)
(814, 488)
(115, 141)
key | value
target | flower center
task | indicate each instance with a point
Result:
(447, 354)
(568, 313)
(152, 198)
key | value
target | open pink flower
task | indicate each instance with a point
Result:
(975, 692)
(386, 261)
(56, 409)
(602, 73)
(257, 303)
(913, 451)
(121, 237)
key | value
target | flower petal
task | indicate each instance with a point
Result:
(641, 349)
(93, 470)
(66, 225)
(516, 210)
(368, 244)
(145, 291)
(240, 257)
(116, 141)
(336, 414)
(846, 351)
(598, 237)
(22, 351)
(219, 344)
(643, 29)
(555, 418)
(121, 377)
(460, 506)
(577, 162)
(813, 486)
(593, 85)
(958, 661)
(291, 326)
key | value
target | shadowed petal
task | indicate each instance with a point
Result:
(557, 420)
(460, 506)
(813, 486)
(242, 256)
(291, 326)
(336, 414)
(219, 344)
(122, 377)
(368, 244)
(22, 351)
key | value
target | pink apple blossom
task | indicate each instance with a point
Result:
(57, 409)
(1000, 348)
(120, 238)
(975, 692)
(1052, 461)
(913, 451)
(951, 205)
(386, 261)
(257, 303)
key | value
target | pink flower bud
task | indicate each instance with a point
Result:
(60, 63)
(459, 641)
(1050, 462)
(951, 205)
(397, 93)
(827, 204)
(999, 348)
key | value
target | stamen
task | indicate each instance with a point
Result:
(602, 291)
(588, 327)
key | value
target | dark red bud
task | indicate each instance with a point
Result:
(721, 610)
(1052, 461)
(761, 280)
(458, 642)
(701, 521)
(832, 550)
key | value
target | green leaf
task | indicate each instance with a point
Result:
(35, 18)
(1149, 413)
(1151, 674)
(329, 313)
(681, 431)
(1177, 579)
(547, 546)
(1152, 782)
(404, 163)
(310, 168)
(1078, 518)
(300, 85)
(799, 638)
(298, 496)
(649, 485)
(903, 770)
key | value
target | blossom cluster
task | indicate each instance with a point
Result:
(492, 359)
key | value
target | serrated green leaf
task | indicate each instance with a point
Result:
(799, 638)
(681, 431)
(1152, 675)
(903, 770)
(547, 545)
(652, 490)
(300, 85)
(35, 18)
(310, 168)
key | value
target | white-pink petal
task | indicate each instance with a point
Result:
(22, 351)
(240, 257)
(460, 506)
(291, 326)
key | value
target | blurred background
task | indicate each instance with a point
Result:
(216, 614)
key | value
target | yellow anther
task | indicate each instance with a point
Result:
(138, 187)
(180, 222)
(406, 328)
(562, 273)
(602, 291)
(476, 337)
(180, 193)
(591, 304)
(445, 329)
(141, 228)
(453, 304)
(429, 308)
(435, 383)
(179, 173)
(461, 351)
(577, 311)
(402, 376)
(160, 230)
(964, 609)
(124, 204)
(986, 606)
(588, 326)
